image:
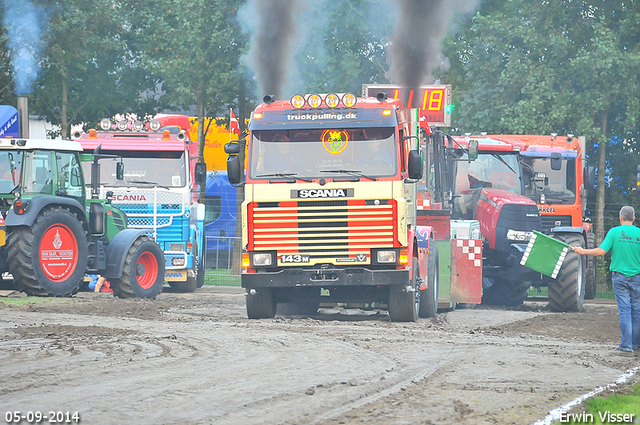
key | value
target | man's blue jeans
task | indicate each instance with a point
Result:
(627, 290)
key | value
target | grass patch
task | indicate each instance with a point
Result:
(221, 277)
(611, 409)
(32, 300)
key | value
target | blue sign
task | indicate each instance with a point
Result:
(9, 121)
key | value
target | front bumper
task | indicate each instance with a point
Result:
(302, 277)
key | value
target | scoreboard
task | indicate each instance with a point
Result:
(432, 101)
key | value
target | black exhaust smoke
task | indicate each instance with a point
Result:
(417, 40)
(272, 46)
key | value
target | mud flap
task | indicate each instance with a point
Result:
(466, 271)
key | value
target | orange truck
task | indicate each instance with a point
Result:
(330, 212)
(556, 176)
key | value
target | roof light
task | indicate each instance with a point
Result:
(332, 100)
(105, 124)
(138, 126)
(166, 135)
(386, 112)
(122, 125)
(297, 101)
(315, 101)
(154, 125)
(257, 115)
(93, 134)
(349, 100)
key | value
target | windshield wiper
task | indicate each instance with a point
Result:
(285, 175)
(148, 182)
(356, 173)
(501, 159)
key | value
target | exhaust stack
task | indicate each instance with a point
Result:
(23, 117)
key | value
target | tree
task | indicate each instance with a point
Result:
(84, 65)
(344, 46)
(193, 49)
(542, 67)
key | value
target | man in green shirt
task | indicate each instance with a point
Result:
(624, 243)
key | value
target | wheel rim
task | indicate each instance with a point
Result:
(146, 270)
(58, 253)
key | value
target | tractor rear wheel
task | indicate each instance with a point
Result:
(50, 257)
(566, 292)
(143, 272)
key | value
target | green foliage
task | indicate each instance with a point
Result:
(344, 46)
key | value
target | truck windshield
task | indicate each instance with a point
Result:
(324, 153)
(559, 186)
(496, 170)
(158, 168)
(10, 167)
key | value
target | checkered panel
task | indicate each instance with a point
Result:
(472, 248)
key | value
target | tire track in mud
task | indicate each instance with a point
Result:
(204, 362)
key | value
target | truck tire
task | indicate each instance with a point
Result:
(404, 299)
(566, 292)
(261, 303)
(592, 266)
(429, 297)
(50, 257)
(189, 285)
(143, 271)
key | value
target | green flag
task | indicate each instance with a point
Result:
(544, 254)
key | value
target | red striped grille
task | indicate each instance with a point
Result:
(322, 229)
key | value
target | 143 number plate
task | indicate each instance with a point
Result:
(294, 258)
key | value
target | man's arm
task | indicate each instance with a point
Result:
(594, 252)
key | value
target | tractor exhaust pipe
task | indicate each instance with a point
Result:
(23, 117)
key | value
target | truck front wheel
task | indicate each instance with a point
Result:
(566, 292)
(143, 271)
(404, 299)
(261, 303)
(50, 257)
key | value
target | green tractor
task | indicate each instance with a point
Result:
(55, 235)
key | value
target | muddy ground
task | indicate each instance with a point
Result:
(196, 359)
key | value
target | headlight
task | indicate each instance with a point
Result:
(518, 235)
(315, 101)
(261, 259)
(178, 261)
(386, 256)
(176, 247)
(332, 100)
(297, 101)
(105, 124)
(122, 125)
(349, 100)
(154, 125)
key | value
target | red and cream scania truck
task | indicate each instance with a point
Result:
(330, 211)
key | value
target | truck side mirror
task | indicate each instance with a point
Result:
(234, 169)
(119, 170)
(473, 150)
(556, 161)
(200, 173)
(540, 180)
(415, 165)
(232, 148)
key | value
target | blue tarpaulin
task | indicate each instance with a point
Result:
(9, 121)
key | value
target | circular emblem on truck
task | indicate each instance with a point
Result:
(335, 141)
(58, 253)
